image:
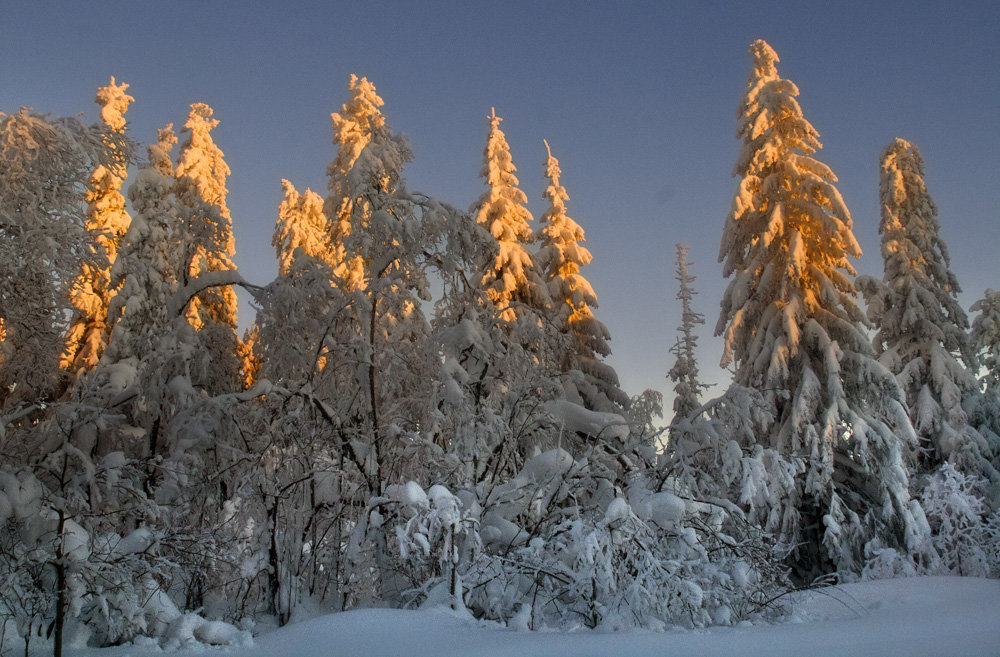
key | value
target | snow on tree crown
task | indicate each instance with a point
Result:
(114, 103)
(764, 59)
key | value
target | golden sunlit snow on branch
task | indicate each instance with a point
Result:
(353, 128)
(301, 225)
(208, 244)
(511, 282)
(108, 220)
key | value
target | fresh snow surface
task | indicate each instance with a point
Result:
(932, 616)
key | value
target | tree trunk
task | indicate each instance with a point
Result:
(274, 577)
(57, 637)
(373, 401)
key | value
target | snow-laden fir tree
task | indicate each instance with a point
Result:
(208, 246)
(301, 225)
(385, 242)
(295, 310)
(559, 259)
(178, 438)
(300, 298)
(107, 220)
(984, 409)
(512, 281)
(922, 330)
(794, 331)
(684, 373)
(201, 193)
(146, 272)
(353, 127)
(501, 346)
(986, 339)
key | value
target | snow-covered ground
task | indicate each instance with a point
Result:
(932, 616)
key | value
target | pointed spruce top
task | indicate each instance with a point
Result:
(114, 103)
(764, 59)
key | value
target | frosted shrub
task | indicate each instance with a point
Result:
(419, 541)
(964, 531)
(556, 546)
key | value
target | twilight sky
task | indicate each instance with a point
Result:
(637, 100)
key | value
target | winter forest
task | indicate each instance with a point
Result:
(421, 411)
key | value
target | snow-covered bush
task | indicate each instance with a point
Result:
(61, 559)
(965, 533)
(559, 545)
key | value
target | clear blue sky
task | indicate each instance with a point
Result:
(637, 100)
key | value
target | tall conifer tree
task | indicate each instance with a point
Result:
(511, 280)
(794, 331)
(353, 127)
(560, 258)
(922, 330)
(146, 273)
(986, 339)
(108, 221)
(301, 225)
(208, 246)
(201, 191)
(684, 373)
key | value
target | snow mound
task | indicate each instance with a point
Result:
(191, 630)
(915, 617)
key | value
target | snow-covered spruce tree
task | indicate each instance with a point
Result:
(294, 316)
(684, 373)
(492, 391)
(388, 234)
(376, 343)
(984, 408)
(148, 269)
(129, 404)
(152, 380)
(47, 162)
(208, 246)
(794, 332)
(922, 330)
(107, 220)
(353, 127)
(485, 404)
(559, 259)
(375, 340)
(986, 340)
(301, 225)
(512, 281)
(201, 193)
